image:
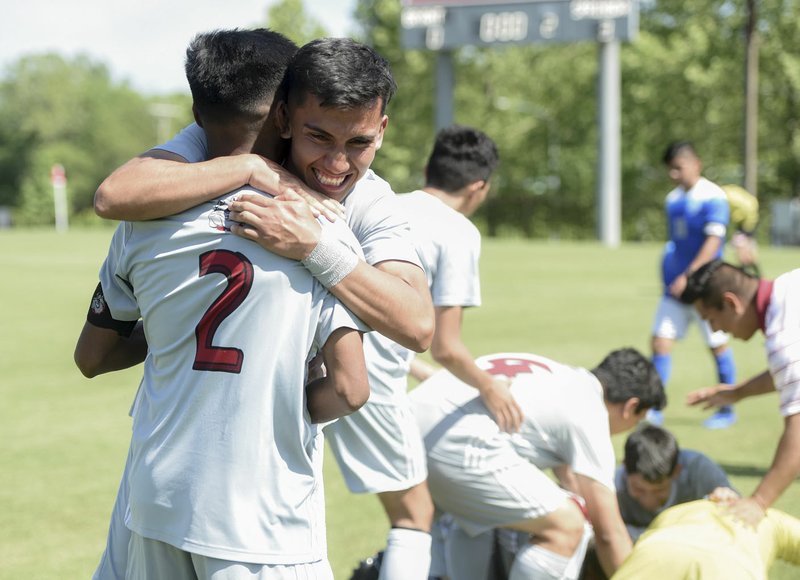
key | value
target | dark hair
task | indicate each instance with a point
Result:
(652, 452)
(341, 73)
(460, 156)
(625, 374)
(678, 148)
(711, 280)
(236, 73)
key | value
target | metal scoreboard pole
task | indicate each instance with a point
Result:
(445, 83)
(609, 166)
(443, 25)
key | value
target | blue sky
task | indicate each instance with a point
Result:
(142, 41)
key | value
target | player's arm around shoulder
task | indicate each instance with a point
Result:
(159, 183)
(612, 541)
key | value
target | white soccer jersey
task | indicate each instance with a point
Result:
(782, 332)
(565, 419)
(379, 448)
(224, 458)
(449, 246)
(393, 457)
(371, 207)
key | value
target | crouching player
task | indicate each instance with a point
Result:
(486, 478)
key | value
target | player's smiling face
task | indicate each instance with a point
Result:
(332, 148)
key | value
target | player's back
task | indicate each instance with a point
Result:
(444, 238)
(557, 400)
(700, 540)
(223, 454)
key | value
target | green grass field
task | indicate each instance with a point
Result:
(63, 438)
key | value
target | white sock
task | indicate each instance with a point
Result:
(407, 555)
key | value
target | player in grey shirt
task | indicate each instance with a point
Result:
(656, 474)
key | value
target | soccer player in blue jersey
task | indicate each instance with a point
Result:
(697, 220)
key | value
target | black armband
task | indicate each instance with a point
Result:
(99, 315)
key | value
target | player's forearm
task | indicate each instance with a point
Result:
(456, 358)
(95, 358)
(612, 540)
(148, 188)
(397, 306)
(754, 386)
(345, 386)
(613, 546)
(566, 477)
(325, 402)
(785, 465)
(708, 251)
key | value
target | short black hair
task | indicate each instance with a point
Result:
(652, 452)
(626, 373)
(341, 73)
(677, 148)
(461, 155)
(234, 73)
(711, 280)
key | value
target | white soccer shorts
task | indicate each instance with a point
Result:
(379, 448)
(673, 318)
(481, 499)
(149, 558)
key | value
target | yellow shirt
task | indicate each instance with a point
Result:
(744, 208)
(699, 540)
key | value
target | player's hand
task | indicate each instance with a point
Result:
(723, 495)
(678, 286)
(272, 178)
(716, 396)
(748, 511)
(502, 406)
(320, 204)
(285, 227)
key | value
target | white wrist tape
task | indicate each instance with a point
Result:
(331, 260)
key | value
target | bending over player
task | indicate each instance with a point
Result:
(486, 478)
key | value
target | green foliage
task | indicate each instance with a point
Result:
(683, 77)
(290, 18)
(54, 110)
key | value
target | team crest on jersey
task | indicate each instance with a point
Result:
(98, 305)
(510, 365)
(219, 218)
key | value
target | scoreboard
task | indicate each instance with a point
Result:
(448, 24)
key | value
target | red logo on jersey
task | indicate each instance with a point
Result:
(512, 366)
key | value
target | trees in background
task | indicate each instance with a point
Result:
(67, 111)
(682, 78)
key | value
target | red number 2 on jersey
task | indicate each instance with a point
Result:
(511, 367)
(239, 272)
